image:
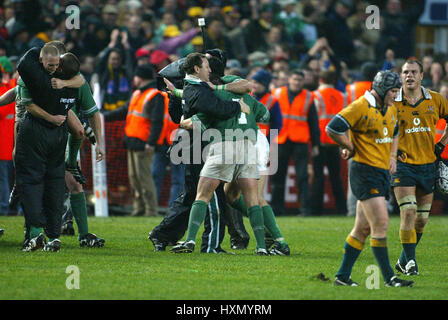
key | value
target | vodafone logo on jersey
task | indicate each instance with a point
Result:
(415, 129)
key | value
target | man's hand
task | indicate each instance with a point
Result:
(100, 153)
(58, 119)
(150, 149)
(347, 154)
(438, 149)
(169, 85)
(244, 107)
(314, 151)
(57, 83)
(392, 166)
(89, 133)
(186, 123)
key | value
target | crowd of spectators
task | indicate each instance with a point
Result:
(114, 37)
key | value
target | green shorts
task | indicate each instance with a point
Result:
(422, 176)
(369, 182)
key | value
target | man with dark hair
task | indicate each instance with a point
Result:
(201, 98)
(373, 127)
(40, 150)
(300, 127)
(144, 115)
(329, 102)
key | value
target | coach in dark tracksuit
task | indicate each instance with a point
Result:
(174, 225)
(40, 149)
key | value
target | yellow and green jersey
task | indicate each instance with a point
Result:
(417, 125)
(371, 131)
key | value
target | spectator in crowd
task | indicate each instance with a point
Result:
(6, 136)
(398, 28)
(365, 39)
(144, 114)
(87, 66)
(159, 59)
(136, 35)
(437, 75)
(20, 39)
(216, 38)
(114, 71)
(110, 17)
(173, 39)
(235, 33)
(427, 62)
(258, 28)
(336, 26)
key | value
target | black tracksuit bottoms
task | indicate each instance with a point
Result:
(40, 173)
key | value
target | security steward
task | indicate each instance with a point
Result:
(40, 149)
(300, 127)
(329, 102)
(144, 123)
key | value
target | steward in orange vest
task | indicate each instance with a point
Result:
(144, 113)
(300, 126)
(358, 88)
(329, 102)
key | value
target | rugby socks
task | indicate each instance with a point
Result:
(240, 205)
(418, 233)
(79, 210)
(379, 248)
(74, 145)
(409, 242)
(197, 216)
(271, 224)
(34, 232)
(257, 223)
(352, 250)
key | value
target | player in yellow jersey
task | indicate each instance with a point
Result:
(373, 145)
(419, 110)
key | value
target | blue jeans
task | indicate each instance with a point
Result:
(6, 168)
(160, 163)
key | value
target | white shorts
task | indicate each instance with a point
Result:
(262, 147)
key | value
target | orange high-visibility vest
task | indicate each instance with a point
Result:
(328, 102)
(138, 125)
(268, 100)
(295, 116)
(356, 90)
(440, 128)
(168, 125)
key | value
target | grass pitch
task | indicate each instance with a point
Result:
(127, 267)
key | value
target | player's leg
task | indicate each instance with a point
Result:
(270, 223)
(177, 181)
(206, 188)
(407, 203)
(249, 189)
(334, 171)
(79, 210)
(375, 211)
(138, 204)
(353, 246)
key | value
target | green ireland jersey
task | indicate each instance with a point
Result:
(242, 123)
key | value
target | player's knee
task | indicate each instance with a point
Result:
(408, 206)
(423, 211)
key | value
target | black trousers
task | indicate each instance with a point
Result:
(175, 224)
(299, 153)
(328, 156)
(40, 173)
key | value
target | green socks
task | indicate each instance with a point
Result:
(240, 205)
(79, 210)
(352, 250)
(197, 216)
(74, 145)
(257, 223)
(34, 232)
(271, 224)
(379, 248)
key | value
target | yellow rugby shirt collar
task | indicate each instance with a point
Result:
(426, 94)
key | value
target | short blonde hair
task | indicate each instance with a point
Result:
(49, 50)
